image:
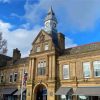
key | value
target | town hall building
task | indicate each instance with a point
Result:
(51, 72)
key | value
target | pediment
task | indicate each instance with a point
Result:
(41, 37)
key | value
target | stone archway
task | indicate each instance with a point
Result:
(40, 92)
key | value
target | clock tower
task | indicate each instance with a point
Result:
(50, 22)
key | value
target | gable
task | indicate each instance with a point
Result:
(42, 36)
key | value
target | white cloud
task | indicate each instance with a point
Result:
(69, 43)
(72, 14)
(16, 15)
(22, 38)
(5, 26)
(18, 38)
(5, 1)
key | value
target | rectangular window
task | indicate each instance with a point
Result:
(96, 65)
(46, 47)
(11, 78)
(86, 69)
(65, 71)
(15, 77)
(42, 63)
(38, 49)
(41, 68)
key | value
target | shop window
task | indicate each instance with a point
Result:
(86, 69)
(84, 98)
(65, 71)
(66, 97)
(96, 65)
(63, 97)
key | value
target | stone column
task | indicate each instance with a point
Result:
(29, 92)
(50, 67)
(30, 66)
(31, 78)
(92, 70)
(31, 69)
(51, 91)
(53, 67)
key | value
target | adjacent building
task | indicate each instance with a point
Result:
(51, 72)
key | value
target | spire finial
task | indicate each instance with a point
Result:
(51, 11)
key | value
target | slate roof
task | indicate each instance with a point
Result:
(20, 61)
(82, 49)
(8, 61)
(4, 59)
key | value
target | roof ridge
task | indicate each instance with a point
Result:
(83, 45)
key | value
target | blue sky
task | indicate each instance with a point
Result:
(21, 21)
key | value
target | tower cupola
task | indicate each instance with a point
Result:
(51, 22)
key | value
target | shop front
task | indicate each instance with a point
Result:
(64, 93)
(88, 93)
(17, 94)
(7, 93)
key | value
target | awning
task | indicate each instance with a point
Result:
(8, 91)
(64, 91)
(88, 91)
(19, 92)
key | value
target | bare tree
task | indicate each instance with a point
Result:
(3, 45)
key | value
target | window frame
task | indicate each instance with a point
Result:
(88, 70)
(41, 68)
(94, 68)
(37, 48)
(14, 77)
(63, 69)
(46, 46)
(10, 78)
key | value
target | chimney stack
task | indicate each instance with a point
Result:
(61, 41)
(16, 55)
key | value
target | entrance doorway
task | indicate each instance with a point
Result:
(41, 92)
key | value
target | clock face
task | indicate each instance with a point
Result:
(51, 25)
(47, 24)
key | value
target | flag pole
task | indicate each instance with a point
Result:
(22, 84)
